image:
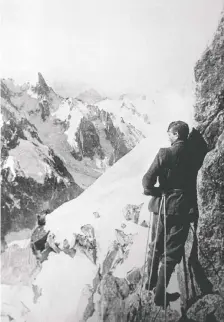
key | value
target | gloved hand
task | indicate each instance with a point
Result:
(155, 192)
(146, 192)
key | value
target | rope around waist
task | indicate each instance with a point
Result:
(173, 191)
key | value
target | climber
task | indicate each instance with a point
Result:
(172, 168)
(38, 239)
(39, 236)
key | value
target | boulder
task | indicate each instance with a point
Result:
(123, 287)
(209, 308)
(134, 276)
(211, 220)
(87, 246)
(110, 307)
(114, 255)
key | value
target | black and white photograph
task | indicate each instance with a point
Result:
(112, 160)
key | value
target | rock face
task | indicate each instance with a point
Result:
(210, 104)
(209, 111)
(88, 141)
(98, 139)
(203, 286)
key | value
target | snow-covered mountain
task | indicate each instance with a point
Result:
(86, 136)
(33, 177)
(47, 136)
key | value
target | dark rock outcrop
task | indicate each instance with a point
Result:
(86, 242)
(116, 138)
(209, 308)
(210, 104)
(134, 277)
(42, 88)
(44, 93)
(202, 270)
(209, 71)
(88, 141)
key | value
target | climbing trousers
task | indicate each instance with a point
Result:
(177, 228)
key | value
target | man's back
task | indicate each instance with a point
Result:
(175, 167)
(171, 166)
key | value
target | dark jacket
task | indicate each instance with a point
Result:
(172, 168)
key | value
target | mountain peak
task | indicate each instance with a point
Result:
(42, 85)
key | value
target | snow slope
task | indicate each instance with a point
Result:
(121, 183)
(62, 278)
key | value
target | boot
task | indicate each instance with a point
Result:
(161, 287)
(170, 297)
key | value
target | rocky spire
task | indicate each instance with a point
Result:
(42, 87)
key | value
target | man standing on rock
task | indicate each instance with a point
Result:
(39, 235)
(41, 241)
(172, 167)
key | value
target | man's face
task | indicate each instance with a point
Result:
(173, 136)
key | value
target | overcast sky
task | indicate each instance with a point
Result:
(114, 45)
